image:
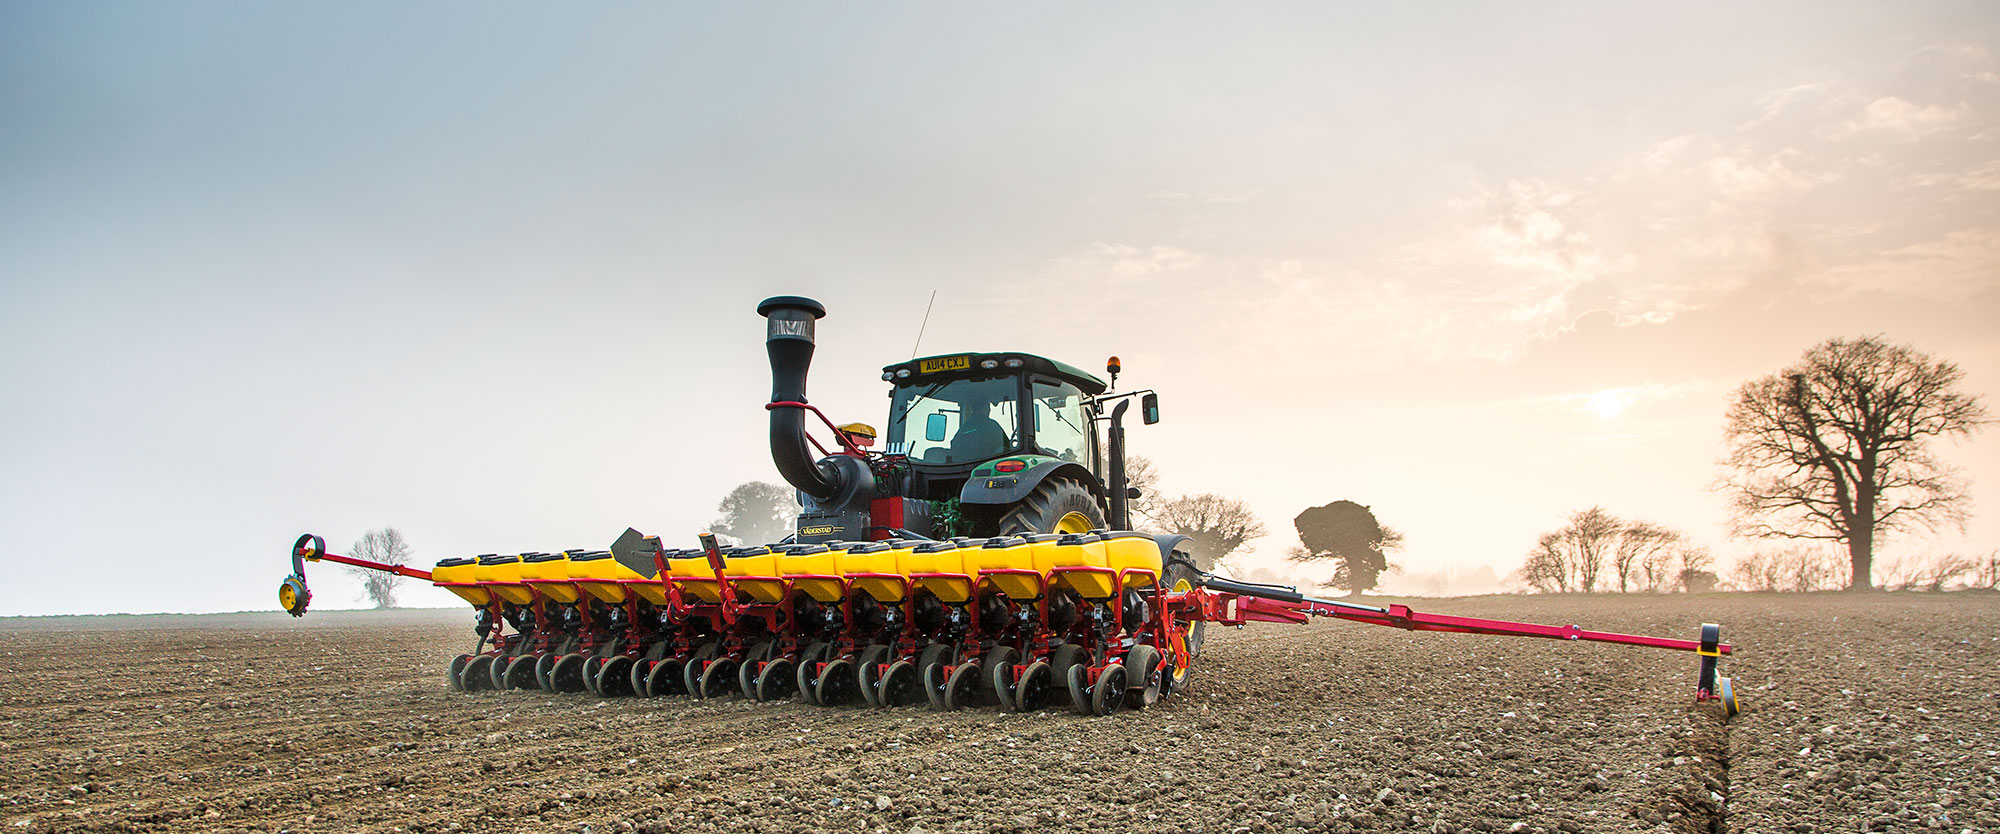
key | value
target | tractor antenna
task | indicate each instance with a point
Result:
(920, 327)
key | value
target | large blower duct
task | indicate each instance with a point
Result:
(788, 338)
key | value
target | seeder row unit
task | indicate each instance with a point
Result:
(1110, 619)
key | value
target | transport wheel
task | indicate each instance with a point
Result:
(1079, 692)
(718, 678)
(665, 678)
(1058, 505)
(455, 674)
(518, 673)
(838, 685)
(776, 681)
(1001, 662)
(567, 673)
(1142, 678)
(477, 676)
(1109, 692)
(1031, 692)
(614, 677)
(868, 673)
(640, 670)
(961, 690)
(899, 685)
(543, 666)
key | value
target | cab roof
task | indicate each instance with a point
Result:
(951, 365)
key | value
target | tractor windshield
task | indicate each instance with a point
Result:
(955, 421)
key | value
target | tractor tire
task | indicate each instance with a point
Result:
(1058, 505)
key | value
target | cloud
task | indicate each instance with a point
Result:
(1958, 265)
(1900, 115)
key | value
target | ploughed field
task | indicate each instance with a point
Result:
(1878, 712)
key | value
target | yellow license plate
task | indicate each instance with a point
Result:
(947, 363)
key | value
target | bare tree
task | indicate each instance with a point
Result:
(1837, 447)
(1348, 534)
(1793, 569)
(1217, 525)
(1695, 576)
(387, 546)
(1547, 569)
(1142, 476)
(1592, 534)
(1642, 545)
(1986, 570)
(757, 512)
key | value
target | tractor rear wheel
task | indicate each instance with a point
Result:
(1058, 505)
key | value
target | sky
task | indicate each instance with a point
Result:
(488, 272)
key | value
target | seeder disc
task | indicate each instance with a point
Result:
(931, 676)
(544, 664)
(1079, 692)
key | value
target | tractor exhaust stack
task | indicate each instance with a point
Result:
(788, 339)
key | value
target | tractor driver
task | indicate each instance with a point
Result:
(979, 435)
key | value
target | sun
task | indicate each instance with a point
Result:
(1608, 403)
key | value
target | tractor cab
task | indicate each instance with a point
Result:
(952, 418)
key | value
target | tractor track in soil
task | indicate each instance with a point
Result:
(1860, 712)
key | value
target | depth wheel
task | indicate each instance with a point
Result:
(718, 678)
(691, 673)
(1031, 691)
(1143, 675)
(592, 666)
(838, 685)
(1727, 689)
(455, 674)
(1079, 691)
(614, 677)
(477, 676)
(868, 673)
(1001, 662)
(1109, 693)
(932, 678)
(567, 673)
(961, 690)
(746, 673)
(899, 685)
(776, 681)
(665, 678)
(641, 669)
(545, 664)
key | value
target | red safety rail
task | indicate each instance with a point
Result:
(847, 446)
(311, 548)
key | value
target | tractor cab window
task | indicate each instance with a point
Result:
(1059, 421)
(955, 421)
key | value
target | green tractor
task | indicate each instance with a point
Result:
(977, 444)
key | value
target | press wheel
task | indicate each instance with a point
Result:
(455, 674)
(1143, 676)
(692, 672)
(775, 681)
(477, 676)
(1001, 662)
(1079, 691)
(899, 687)
(746, 674)
(1031, 690)
(806, 677)
(665, 678)
(543, 665)
(1727, 690)
(932, 677)
(592, 665)
(614, 677)
(517, 672)
(718, 678)
(567, 673)
(1109, 692)
(868, 673)
(837, 684)
(962, 688)
(637, 674)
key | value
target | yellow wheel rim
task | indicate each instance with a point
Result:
(1073, 523)
(286, 596)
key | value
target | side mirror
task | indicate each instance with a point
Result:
(934, 427)
(1149, 407)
